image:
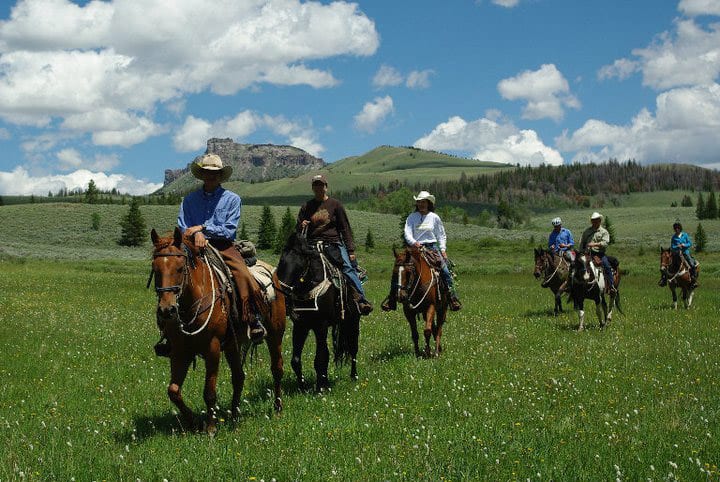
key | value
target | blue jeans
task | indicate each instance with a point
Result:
(608, 270)
(444, 270)
(350, 272)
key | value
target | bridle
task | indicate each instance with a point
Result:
(665, 267)
(547, 265)
(177, 290)
(414, 279)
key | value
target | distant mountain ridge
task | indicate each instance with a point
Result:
(250, 163)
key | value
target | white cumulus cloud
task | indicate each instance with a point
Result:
(61, 60)
(690, 55)
(694, 8)
(419, 79)
(683, 129)
(487, 140)
(19, 182)
(373, 113)
(387, 76)
(195, 132)
(545, 90)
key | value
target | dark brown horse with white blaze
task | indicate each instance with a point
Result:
(677, 273)
(321, 301)
(554, 271)
(194, 314)
(420, 293)
(588, 282)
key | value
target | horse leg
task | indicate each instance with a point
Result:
(353, 348)
(674, 295)
(322, 357)
(212, 366)
(412, 321)
(299, 335)
(235, 356)
(601, 310)
(558, 302)
(578, 305)
(429, 317)
(276, 330)
(438, 331)
(691, 292)
(178, 371)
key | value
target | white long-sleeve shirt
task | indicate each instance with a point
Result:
(425, 229)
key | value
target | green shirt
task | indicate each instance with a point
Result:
(599, 235)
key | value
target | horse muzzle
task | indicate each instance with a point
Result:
(166, 313)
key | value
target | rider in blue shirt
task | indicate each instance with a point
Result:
(681, 243)
(560, 240)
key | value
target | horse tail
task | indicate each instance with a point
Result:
(617, 302)
(346, 331)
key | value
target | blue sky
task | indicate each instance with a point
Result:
(118, 91)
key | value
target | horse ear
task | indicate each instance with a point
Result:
(154, 236)
(177, 237)
(394, 251)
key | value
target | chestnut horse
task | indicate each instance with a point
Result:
(677, 273)
(321, 299)
(193, 313)
(419, 291)
(554, 270)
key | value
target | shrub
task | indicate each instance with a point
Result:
(700, 239)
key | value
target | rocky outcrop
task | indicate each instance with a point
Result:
(254, 162)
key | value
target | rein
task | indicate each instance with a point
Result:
(433, 281)
(547, 280)
(178, 290)
(682, 269)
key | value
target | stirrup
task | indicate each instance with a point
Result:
(365, 307)
(257, 333)
(162, 348)
(455, 304)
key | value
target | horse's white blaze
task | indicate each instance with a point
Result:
(400, 279)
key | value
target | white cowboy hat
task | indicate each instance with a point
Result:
(210, 162)
(596, 215)
(424, 195)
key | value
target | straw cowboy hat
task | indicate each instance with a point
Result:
(595, 215)
(424, 195)
(210, 163)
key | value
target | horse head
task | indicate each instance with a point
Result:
(540, 262)
(294, 270)
(669, 261)
(170, 269)
(406, 268)
(582, 273)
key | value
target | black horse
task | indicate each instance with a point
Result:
(320, 298)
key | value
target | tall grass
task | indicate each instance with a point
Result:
(517, 394)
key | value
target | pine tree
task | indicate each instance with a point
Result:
(287, 226)
(95, 221)
(686, 201)
(700, 239)
(133, 226)
(91, 195)
(700, 207)
(369, 241)
(711, 208)
(243, 231)
(607, 224)
(267, 230)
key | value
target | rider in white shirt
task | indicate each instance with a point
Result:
(425, 228)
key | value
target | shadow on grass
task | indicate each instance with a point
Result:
(396, 351)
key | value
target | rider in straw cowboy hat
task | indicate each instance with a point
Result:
(211, 215)
(425, 228)
(596, 239)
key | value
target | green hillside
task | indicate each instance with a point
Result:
(379, 166)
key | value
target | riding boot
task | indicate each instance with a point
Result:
(455, 304)
(693, 277)
(162, 348)
(390, 303)
(364, 306)
(610, 285)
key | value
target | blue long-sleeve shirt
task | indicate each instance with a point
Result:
(218, 212)
(676, 241)
(564, 236)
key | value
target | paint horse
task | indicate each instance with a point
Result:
(554, 271)
(676, 271)
(321, 301)
(194, 314)
(587, 281)
(421, 293)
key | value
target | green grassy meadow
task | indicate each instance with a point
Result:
(517, 393)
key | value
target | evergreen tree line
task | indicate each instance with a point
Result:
(547, 187)
(707, 209)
